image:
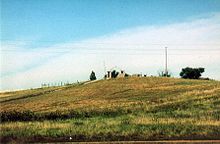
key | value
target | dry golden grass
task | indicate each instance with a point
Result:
(139, 108)
(110, 94)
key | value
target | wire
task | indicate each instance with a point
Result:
(103, 50)
(128, 53)
(112, 43)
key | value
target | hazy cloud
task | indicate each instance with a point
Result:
(136, 50)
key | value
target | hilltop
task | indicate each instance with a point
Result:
(148, 108)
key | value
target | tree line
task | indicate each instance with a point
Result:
(186, 73)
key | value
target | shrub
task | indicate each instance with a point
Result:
(191, 73)
(164, 74)
(92, 76)
(32, 116)
(18, 116)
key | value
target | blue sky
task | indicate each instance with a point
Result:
(63, 40)
(56, 21)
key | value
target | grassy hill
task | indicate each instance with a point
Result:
(148, 108)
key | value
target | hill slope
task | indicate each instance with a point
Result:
(117, 109)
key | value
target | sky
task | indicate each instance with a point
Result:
(49, 41)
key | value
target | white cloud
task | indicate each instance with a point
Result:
(137, 50)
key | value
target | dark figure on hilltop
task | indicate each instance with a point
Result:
(191, 73)
(92, 76)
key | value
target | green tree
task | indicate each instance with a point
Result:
(191, 73)
(114, 73)
(164, 74)
(92, 76)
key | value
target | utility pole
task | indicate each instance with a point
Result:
(166, 72)
(104, 68)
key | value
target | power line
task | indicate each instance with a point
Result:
(166, 73)
(104, 68)
(113, 43)
(114, 50)
(141, 53)
(102, 49)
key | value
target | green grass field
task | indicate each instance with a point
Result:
(148, 108)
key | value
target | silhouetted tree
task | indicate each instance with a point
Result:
(114, 74)
(191, 73)
(92, 76)
(164, 74)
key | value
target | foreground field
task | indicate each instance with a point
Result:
(109, 110)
